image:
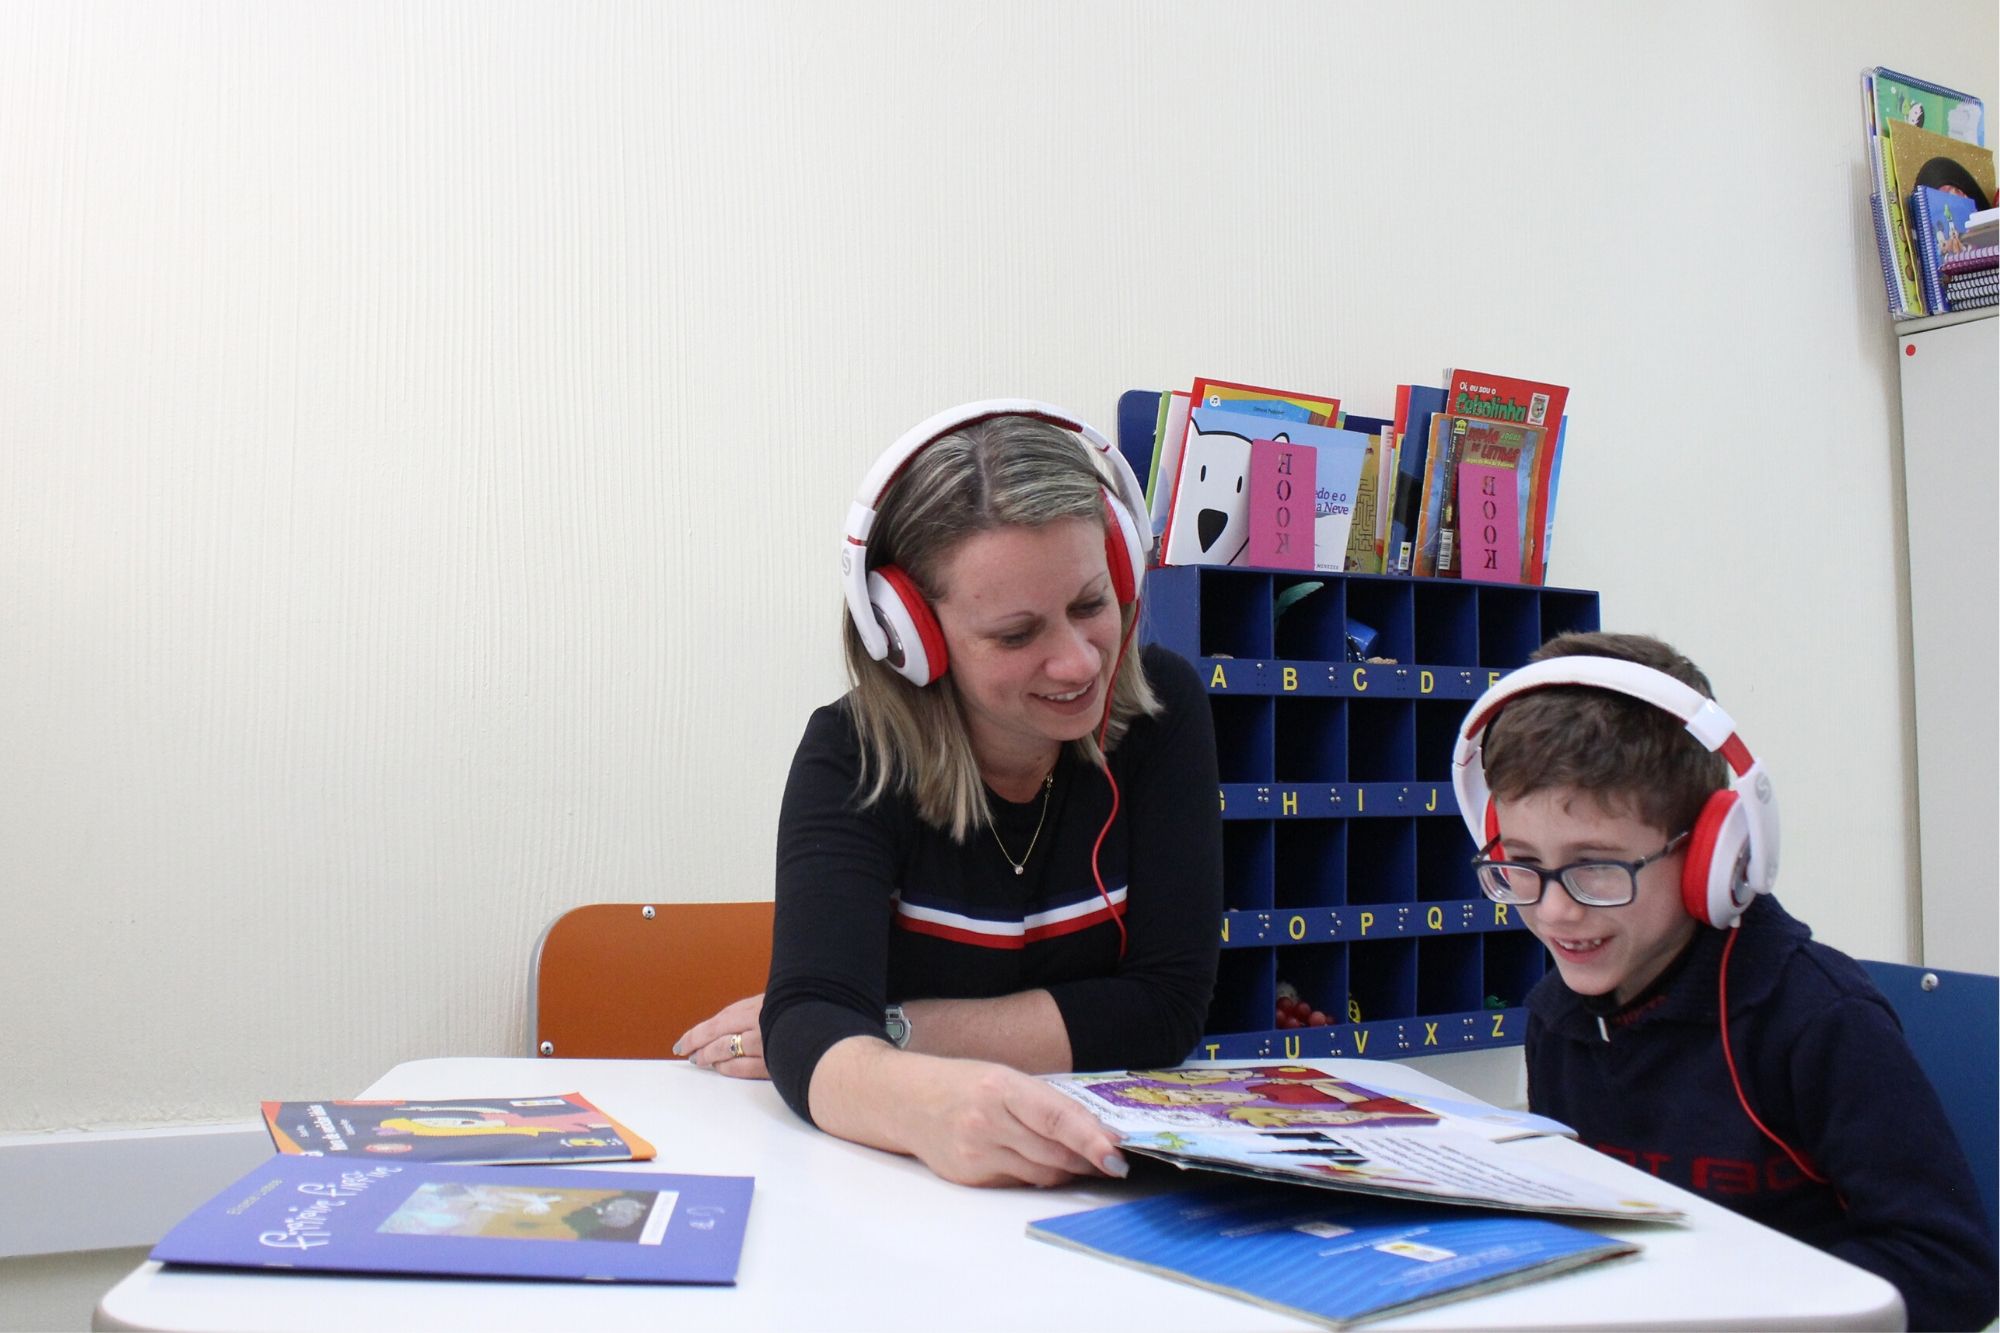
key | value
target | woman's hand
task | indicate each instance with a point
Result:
(991, 1125)
(970, 1121)
(729, 1043)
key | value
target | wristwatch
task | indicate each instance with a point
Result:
(896, 1026)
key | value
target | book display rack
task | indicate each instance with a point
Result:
(1347, 875)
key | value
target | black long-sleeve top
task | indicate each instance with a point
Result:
(876, 907)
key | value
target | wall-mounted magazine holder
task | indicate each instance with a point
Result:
(1346, 870)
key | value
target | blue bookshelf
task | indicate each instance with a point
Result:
(1345, 866)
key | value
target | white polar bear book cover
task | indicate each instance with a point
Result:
(1209, 522)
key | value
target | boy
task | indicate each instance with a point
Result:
(1599, 800)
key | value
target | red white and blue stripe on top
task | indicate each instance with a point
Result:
(934, 918)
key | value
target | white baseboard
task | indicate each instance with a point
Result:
(108, 1189)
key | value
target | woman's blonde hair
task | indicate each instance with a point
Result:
(1001, 472)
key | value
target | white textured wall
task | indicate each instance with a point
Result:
(424, 429)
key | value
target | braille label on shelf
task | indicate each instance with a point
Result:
(1308, 925)
(1384, 1039)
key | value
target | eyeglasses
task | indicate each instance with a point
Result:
(1591, 883)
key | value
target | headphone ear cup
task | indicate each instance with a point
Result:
(916, 641)
(1493, 830)
(1124, 552)
(1710, 883)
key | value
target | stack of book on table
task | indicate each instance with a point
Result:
(465, 1187)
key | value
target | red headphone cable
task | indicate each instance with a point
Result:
(1103, 730)
(1736, 1080)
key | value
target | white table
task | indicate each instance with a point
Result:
(845, 1237)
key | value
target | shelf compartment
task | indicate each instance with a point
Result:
(1246, 864)
(1319, 974)
(1311, 863)
(1311, 740)
(1510, 625)
(1381, 980)
(1312, 628)
(1243, 749)
(1235, 614)
(1567, 611)
(1444, 862)
(1438, 721)
(1381, 860)
(1446, 621)
(1246, 997)
(1450, 974)
(1381, 740)
(1383, 605)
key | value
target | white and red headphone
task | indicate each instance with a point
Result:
(896, 624)
(1732, 854)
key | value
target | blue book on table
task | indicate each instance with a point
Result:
(1337, 1260)
(327, 1215)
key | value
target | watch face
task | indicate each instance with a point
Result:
(896, 1027)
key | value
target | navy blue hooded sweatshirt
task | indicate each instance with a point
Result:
(1825, 1066)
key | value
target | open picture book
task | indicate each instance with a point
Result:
(1346, 1125)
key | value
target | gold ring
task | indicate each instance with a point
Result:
(736, 1046)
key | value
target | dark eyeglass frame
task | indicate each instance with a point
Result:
(1561, 874)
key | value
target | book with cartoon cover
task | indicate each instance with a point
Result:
(1325, 1123)
(1280, 409)
(1506, 399)
(446, 1219)
(1335, 1261)
(1208, 522)
(564, 1127)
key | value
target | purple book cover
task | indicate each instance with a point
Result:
(326, 1215)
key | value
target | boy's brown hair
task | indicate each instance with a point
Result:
(1632, 756)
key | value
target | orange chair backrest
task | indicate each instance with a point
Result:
(623, 980)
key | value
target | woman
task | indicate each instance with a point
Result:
(1000, 853)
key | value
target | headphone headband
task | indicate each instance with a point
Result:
(861, 514)
(1756, 803)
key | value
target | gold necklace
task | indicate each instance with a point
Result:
(1021, 866)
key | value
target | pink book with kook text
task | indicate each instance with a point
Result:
(1280, 504)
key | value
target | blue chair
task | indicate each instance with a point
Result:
(1952, 1022)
